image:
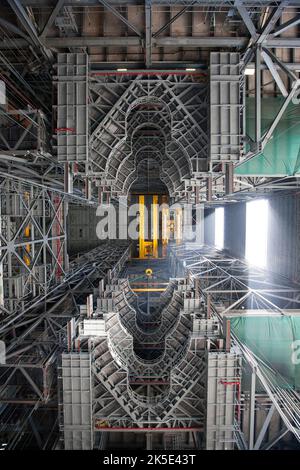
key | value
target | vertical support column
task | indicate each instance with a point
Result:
(252, 410)
(229, 171)
(68, 178)
(197, 195)
(148, 441)
(155, 226)
(257, 96)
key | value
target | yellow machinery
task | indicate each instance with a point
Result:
(147, 248)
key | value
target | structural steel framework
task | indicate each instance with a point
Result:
(148, 374)
(230, 285)
(35, 336)
(107, 126)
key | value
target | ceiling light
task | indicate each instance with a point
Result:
(190, 70)
(121, 70)
(249, 71)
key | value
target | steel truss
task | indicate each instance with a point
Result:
(33, 242)
(229, 286)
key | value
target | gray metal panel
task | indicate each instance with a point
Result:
(235, 229)
(72, 107)
(225, 106)
(77, 401)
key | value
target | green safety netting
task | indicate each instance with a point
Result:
(272, 339)
(281, 156)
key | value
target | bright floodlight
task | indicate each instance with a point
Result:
(249, 71)
(257, 232)
(219, 227)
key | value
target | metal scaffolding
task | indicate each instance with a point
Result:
(230, 286)
(35, 337)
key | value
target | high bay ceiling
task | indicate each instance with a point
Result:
(146, 75)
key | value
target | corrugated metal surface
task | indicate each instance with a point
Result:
(235, 229)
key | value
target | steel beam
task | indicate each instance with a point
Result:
(271, 21)
(216, 3)
(276, 439)
(209, 41)
(120, 17)
(51, 19)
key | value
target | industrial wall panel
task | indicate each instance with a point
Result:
(72, 107)
(226, 107)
